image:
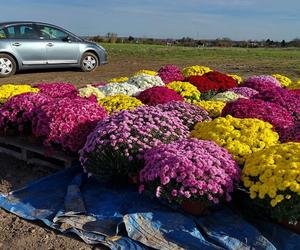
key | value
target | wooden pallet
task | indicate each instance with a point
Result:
(20, 148)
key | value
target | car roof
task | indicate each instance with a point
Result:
(19, 22)
(4, 24)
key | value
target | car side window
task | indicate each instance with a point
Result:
(23, 31)
(2, 34)
(51, 33)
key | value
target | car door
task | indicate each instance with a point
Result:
(61, 47)
(26, 44)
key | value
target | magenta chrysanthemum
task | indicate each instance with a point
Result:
(189, 114)
(117, 145)
(19, 110)
(170, 73)
(261, 83)
(291, 134)
(278, 116)
(244, 91)
(159, 95)
(58, 89)
(285, 98)
(190, 169)
(67, 122)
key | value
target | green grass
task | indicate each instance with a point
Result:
(244, 60)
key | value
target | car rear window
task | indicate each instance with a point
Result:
(2, 34)
(20, 32)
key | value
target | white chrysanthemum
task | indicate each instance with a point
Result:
(227, 96)
(120, 88)
(144, 81)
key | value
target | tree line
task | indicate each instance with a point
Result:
(190, 42)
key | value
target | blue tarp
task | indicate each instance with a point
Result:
(121, 218)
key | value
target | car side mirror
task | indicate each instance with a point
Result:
(67, 39)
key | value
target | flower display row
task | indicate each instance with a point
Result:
(182, 136)
(10, 90)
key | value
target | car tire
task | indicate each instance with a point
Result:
(89, 62)
(8, 65)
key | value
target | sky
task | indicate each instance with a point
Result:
(199, 19)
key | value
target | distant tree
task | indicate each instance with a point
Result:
(130, 39)
(295, 42)
(283, 43)
(112, 37)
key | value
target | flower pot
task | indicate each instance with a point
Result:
(196, 208)
(292, 227)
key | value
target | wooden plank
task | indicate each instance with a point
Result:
(21, 148)
(23, 143)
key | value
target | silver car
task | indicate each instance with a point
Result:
(33, 45)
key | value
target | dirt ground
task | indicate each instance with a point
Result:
(16, 233)
(119, 66)
(116, 68)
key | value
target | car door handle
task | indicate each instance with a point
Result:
(16, 44)
(50, 44)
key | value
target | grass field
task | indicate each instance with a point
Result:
(245, 61)
(125, 59)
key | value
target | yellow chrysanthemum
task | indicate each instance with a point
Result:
(284, 80)
(189, 92)
(241, 137)
(196, 70)
(294, 85)
(10, 90)
(119, 102)
(273, 172)
(89, 90)
(238, 79)
(214, 108)
(146, 72)
(119, 80)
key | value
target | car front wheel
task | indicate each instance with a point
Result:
(89, 62)
(8, 65)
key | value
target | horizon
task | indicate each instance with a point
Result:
(165, 19)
